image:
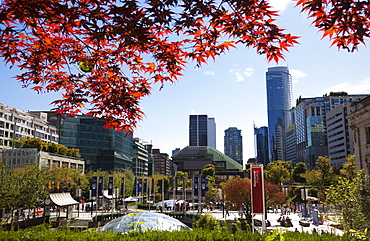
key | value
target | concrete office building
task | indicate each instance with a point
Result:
(139, 158)
(359, 122)
(22, 157)
(162, 162)
(233, 144)
(278, 87)
(15, 124)
(202, 131)
(340, 143)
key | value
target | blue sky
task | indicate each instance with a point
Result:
(232, 89)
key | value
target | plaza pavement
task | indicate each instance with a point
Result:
(272, 217)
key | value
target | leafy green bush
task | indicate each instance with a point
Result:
(43, 233)
(207, 222)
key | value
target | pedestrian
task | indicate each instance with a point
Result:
(227, 211)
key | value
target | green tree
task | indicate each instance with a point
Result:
(278, 172)
(67, 177)
(33, 143)
(209, 171)
(22, 187)
(327, 175)
(351, 198)
(312, 177)
(299, 169)
(62, 150)
(349, 168)
(53, 148)
(33, 188)
(181, 176)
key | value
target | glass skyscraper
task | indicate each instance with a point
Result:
(261, 144)
(202, 131)
(233, 144)
(278, 87)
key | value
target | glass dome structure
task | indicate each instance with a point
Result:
(144, 221)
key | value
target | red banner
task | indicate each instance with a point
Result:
(257, 190)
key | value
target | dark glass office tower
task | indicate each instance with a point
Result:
(101, 148)
(261, 144)
(202, 131)
(278, 86)
(233, 144)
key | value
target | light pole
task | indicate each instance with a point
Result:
(304, 196)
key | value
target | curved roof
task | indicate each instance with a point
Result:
(217, 156)
(143, 221)
(62, 199)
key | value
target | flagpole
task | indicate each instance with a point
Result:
(192, 191)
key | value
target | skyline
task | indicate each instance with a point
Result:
(232, 89)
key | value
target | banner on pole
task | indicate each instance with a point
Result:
(94, 182)
(110, 185)
(140, 186)
(257, 189)
(134, 190)
(175, 186)
(153, 186)
(145, 186)
(204, 185)
(195, 185)
(100, 187)
(123, 187)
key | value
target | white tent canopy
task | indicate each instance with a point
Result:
(130, 199)
(105, 194)
(62, 199)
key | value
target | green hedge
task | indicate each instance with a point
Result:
(181, 215)
(43, 232)
(109, 216)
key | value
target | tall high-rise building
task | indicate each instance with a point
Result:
(278, 86)
(202, 131)
(233, 144)
(261, 144)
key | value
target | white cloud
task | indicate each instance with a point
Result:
(240, 73)
(280, 5)
(239, 77)
(362, 87)
(211, 73)
(248, 72)
(296, 75)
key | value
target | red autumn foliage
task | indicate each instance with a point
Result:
(346, 23)
(105, 55)
(238, 191)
